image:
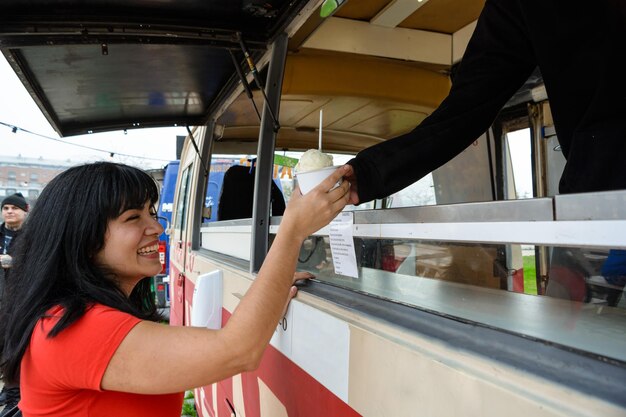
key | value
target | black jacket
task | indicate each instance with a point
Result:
(4, 273)
(580, 48)
(3, 232)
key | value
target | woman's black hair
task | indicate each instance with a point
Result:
(54, 255)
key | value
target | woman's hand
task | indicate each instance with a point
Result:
(298, 276)
(306, 214)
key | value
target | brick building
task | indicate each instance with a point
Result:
(28, 175)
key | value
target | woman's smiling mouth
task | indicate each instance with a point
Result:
(149, 250)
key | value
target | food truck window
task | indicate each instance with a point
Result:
(469, 281)
(420, 193)
(520, 162)
(230, 188)
(181, 205)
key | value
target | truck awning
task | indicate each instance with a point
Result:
(102, 65)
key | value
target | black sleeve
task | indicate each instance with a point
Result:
(497, 61)
(277, 200)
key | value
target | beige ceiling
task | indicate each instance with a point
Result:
(372, 82)
(444, 16)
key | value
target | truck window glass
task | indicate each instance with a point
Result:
(181, 204)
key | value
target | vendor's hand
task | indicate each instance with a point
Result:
(306, 214)
(350, 176)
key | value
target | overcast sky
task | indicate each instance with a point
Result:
(17, 108)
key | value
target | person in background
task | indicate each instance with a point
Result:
(83, 334)
(14, 211)
(577, 48)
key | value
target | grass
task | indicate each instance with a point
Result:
(530, 275)
(188, 407)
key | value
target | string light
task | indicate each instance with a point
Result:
(14, 129)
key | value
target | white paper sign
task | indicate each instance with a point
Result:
(342, 245)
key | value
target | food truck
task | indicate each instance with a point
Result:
(440, 305)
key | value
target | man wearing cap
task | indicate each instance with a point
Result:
(14, 210)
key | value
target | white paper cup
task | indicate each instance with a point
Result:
(6, 261)
(310, 179)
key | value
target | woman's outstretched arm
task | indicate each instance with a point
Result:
(154, 358)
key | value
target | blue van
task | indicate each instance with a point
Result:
(164, 211)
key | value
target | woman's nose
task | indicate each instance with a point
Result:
(155, 227)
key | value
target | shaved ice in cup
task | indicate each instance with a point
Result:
(313, 168)
(312, 160)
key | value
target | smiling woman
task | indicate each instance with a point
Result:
(93, 343)
(131, 246)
